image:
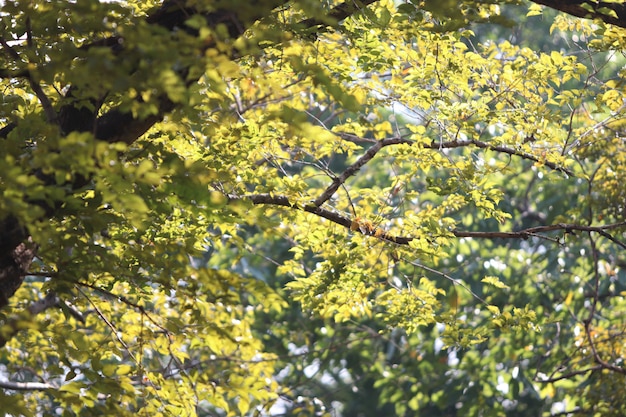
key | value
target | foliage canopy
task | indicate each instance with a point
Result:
(312, 208)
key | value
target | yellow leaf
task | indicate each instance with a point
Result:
(494, 310)
(491, 280)
(534, 10)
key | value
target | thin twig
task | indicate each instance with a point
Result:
(449, 278)
(596, 356)
(567, 375)
(126, 301)
(110, 325)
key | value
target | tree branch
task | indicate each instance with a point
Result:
(26, 386)
(39, 306)
(117, 126)
(48, 109)
(23, 320)
(507, 150)
(350, 171)
(124, 300)
(463, 143)
(534, 231)
(338, 13)
(451, 279)
(567, 375)
(279, 200)
(15, 257)
(590, 10)
(378, 145)
(596, 356)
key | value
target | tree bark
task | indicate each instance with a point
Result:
(16, 255)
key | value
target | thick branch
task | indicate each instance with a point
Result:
(26, 386)
(350, 171)
(338, 13)
(284, 201)
(116, 126)
(24, 319)
(278, 200)
(590, 9)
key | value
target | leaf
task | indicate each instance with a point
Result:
(492, 280)
(534, 10)
(494, 310)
